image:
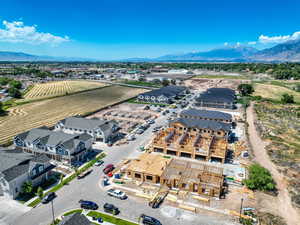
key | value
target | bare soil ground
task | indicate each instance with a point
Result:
(283, 203)
(202, 84)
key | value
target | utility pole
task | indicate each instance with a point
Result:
(241, 209)
(52, 211)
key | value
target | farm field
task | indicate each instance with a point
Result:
(274, 92)
(48, 112)
(59, 88)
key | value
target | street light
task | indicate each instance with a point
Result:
(241, 209)
(52, 212)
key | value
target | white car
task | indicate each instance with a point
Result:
(117, 194)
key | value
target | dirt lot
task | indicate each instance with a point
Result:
(128, 115)
(202, 84)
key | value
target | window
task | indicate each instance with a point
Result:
(149, 177)
(137, 175)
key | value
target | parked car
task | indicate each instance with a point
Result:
(88, 205)
(130, 138)
(149, 220)
(117, 194)
(99, 163)
(150, 121)
(110, 208)
(140, 131)
(108, 168)
(48, 197)
(83, 175)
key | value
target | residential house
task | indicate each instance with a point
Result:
(18, 167)
(217, 98)
(101, 130)
(206, 115)
(57, 145)
(165, 95)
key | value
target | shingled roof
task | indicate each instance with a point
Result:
(168, 91)
(14, 163)
(203, 124)
(75, 219)
(209, 114)
(217, 95)
(86, 124)
(53, 138)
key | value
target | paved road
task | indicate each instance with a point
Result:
(88, 188)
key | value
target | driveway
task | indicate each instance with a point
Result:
(10, 209)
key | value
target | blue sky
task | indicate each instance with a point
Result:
(118, 29)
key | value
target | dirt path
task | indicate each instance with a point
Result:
(284, 205)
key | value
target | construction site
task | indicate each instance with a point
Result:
(192, 141)
(183, 183)
(128, 116)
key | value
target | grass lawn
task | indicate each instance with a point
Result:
(68, 179)
(274, 92)
(72, 212)
(110, 219)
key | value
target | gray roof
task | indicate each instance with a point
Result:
(209, 114)
(14, 163)
(203, 124)
(217, 95)
(168, 91)
(15, 171)
(85, 124)
(75, 219)
(13, 157)
(53, 138)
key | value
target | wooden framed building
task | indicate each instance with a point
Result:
(191, 138)
(177, 174)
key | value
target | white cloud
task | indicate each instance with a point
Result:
(252, 43)
(226, 43)
(278, 39)
(17, 32)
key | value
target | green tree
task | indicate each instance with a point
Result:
(173, 82)
(61, 178)
(286, 98)
(76, 171)
(1, 108)
(245, 89)
(165, 82)
(27, 187)
(40, 193)
(15, 84)
(259, 179)
(14, 92)
(4, 80)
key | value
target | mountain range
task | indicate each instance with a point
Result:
(284, 52)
